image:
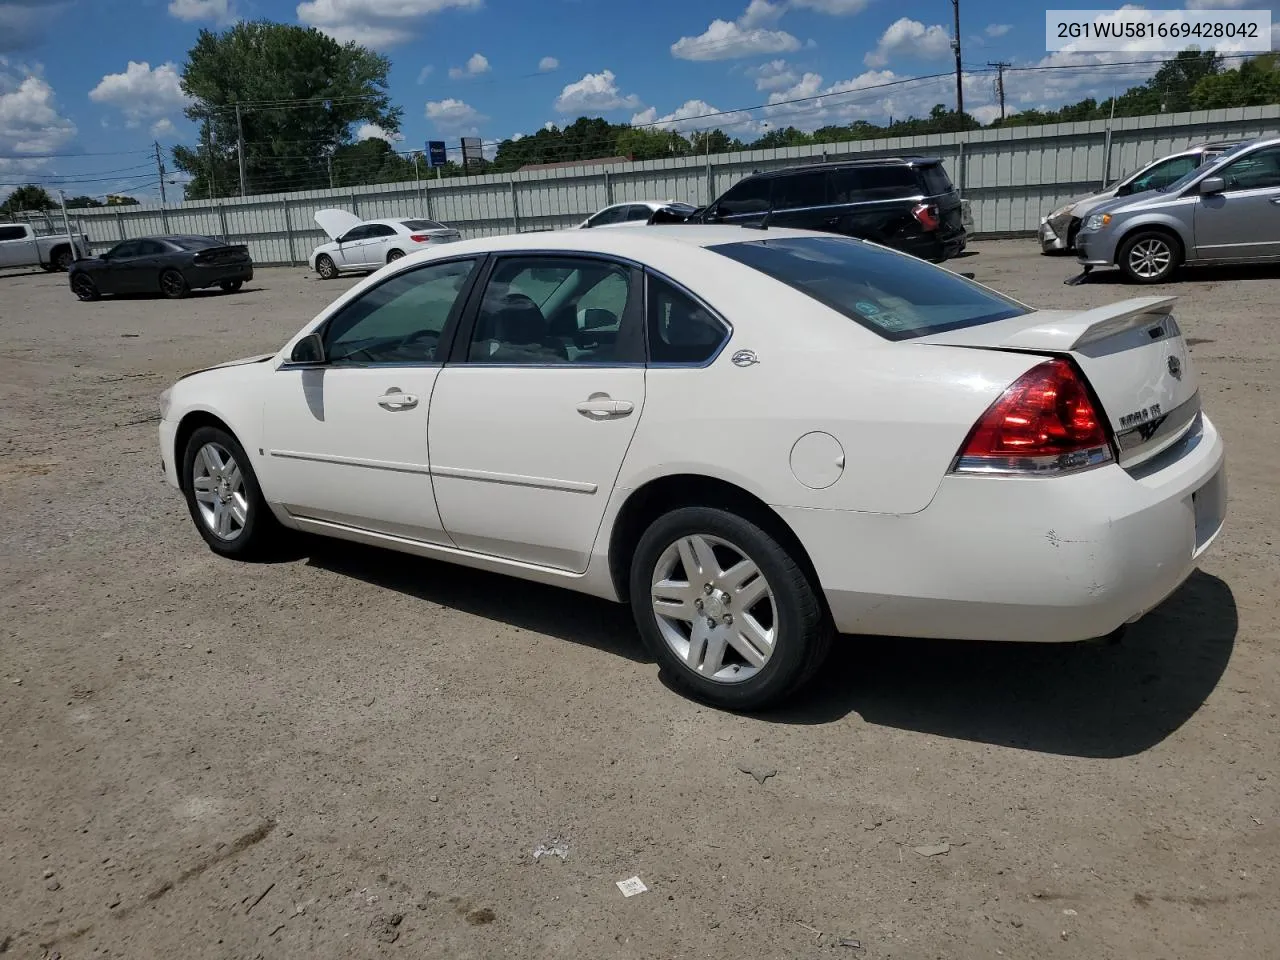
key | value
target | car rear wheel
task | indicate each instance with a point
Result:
(223, 496)
(231, 286)
(325, 266)
(1150, 256)
(394, 255)
(84, 288)
(727, 612)
(62, 259)
(173, 285)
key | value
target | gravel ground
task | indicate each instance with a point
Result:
(355, 754)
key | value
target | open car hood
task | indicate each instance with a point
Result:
(336, 222)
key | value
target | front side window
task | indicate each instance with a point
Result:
(557, 310)
(681, 330)
(12, 233)
(799, 190)
(894, 295)
(1254, 172)
(381, 230)
(1163, 174)
(356, 233)
(749, 196)
(401, 320)
(607, 216)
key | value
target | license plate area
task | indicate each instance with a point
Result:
(1209, 506)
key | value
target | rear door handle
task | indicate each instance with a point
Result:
(601, 408)
(395, 400)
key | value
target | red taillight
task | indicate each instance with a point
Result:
(926, 215)
(1046, 422)
(419, 237)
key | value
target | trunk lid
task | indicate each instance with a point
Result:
(336, 222)
(1132, 353)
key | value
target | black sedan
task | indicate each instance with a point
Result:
(172, 266)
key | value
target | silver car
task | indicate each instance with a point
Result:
(1058, 230)
(1227, 211)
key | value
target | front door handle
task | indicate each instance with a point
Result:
(396, 400)
(602, 408)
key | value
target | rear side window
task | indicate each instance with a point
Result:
(749, 196)
(799, 190)
(935, 180)
(858, 184)
(890, 293)
(12, 233)
(681, 330)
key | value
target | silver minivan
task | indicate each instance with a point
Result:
(1227, 211)
(1058, 230)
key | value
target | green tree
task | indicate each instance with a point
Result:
(76, 203)
(121, 200)
(300, 91)
(29, 197)
(372, 161)
(1256, 82)
(1176, 78)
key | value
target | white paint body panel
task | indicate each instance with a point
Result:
(372, 253)
(527, 485)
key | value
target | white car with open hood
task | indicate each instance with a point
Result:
(756, 438)
(369, 244)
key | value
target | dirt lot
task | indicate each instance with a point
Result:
(355, 754)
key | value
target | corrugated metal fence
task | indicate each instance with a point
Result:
(1011, 176)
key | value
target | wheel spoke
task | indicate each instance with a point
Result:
(239, 510)
(698, 637)
(674, 598)
(751, 640)
(206, 496)
(232, 476)
(698, 559)
(713, 655)
(211, 462)
(221, 519)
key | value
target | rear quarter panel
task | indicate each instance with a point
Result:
(900, 411)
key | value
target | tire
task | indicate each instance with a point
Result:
(394, 255)
(1150, 256)
(84, 288)
(325, 266)
(62, 259)
(173, 285)
(223, 496)
(781, 601)
(231, 286)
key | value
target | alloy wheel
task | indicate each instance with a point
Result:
(83, 287)
(218, 484)
(1150, 258)
(714, 608)
(172, 284)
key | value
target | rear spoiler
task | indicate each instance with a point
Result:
(1090, 325)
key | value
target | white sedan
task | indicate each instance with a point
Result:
(635, 213)
(757, 438)
(369, 244)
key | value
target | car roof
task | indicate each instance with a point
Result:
(910, 161)
(628, 244)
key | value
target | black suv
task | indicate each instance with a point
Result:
(907, 203)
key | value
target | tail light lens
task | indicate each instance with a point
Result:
(926, 215)
(419, 237)
(1045, 423)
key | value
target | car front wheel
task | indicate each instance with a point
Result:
(223, 496)
(325, 266)
(84, 288)
(1149, 256)
(728, 613)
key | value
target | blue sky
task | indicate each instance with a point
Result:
(87, 85)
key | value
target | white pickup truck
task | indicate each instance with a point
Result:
(22, 246)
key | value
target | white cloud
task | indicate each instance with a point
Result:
(774, 75)
(910, 38)
(726, 40)
(29, 119)
(163, 128)
(548, 125)
(142, 93)
(595, 93)
(454, 116)
(547, 64)
(696, 115)
(999, 29)
(220, 12)
(374, 23)
(761, 11)
(424, 73)
(371, 131)
(477, 64)
(837, 8)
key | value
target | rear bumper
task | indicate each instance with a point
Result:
(1050, 560)
(215, 274)
(935, 246)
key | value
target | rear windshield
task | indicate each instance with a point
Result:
(423, 225)
(936, 180)
(195, 243)
(889, 293)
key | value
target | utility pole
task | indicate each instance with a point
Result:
(160, 168)
(240, 147)
(208, 139)
(1000, 65)
(955, 43)
(328, 160)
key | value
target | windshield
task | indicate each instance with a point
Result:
(1213, 164)
(894, 295)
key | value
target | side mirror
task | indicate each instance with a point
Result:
(310, 349)
(1212, 185)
